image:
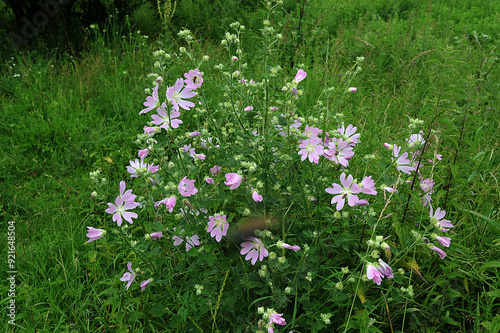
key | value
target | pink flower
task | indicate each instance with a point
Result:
(234, 58)
(301, 75)
(348, 189)
(312, 149)
(233, 180)
(441, 253)
(416, 140)
(164, 120)
(352, 89)
(145, 283)
(129, 277)
(254, 249)
(186, 187)
(427, 186)
(437, 219)
(288, 246)
(143, 153)
(95, 234)
(215, 170)
(367, 186)
(168, 202)
(123, 202)
(156, 235)
(402, 161)
(194, 134)
(340, 152)
(310, 131)
(349, 133)
(209, 180)
(137, 167)
(191, 242)
(194, 79)
(149, 130)
(217, 226)
(248, 108)
(373, 274)
(444, 241)
(390, 189)
(151, 101)
(200, 156)
(176, 96)
(385, 269)
(256, 196)
(277, 318)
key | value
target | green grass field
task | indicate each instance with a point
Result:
(64, 116)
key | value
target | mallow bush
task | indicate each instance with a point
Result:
(255, 212)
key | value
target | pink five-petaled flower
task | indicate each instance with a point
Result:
(145, 283)
(416, 140)
(156, 235)
(349, 133)
(151, 101)
(186, 187)
(340, 152)
(437, 219)
(137, 167)
(288, 246)
(164, 120)
(256, 196)
(427, 186)
(233, 180)
(254, 249)
(168, 202)
(445, 241)
(123, 202)
(301, 75)
(275, 318)
(191, 242)
(348, 189)
(193, 79)
(176, 96)
(403, 164)
(440, 252)
(217, 226)
(94, 234)
(367, 186)
(374, 274)
(143, 153)
(312, 149)
(128, 276)
(385, 269)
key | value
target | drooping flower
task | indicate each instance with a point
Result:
(156, 235)
(440, 252)
(217, 226)
(282, 245)
(385, 269)
(233, 180)
(129, 277)
(191, 242)
(143, 153)
(254, 249)
(186, 187)
(312, 149)
(151, 101)
(194, 79)
(403, 164)
(275, 318)
(177, 94)
(373, 274)
(444, 241)
(164, 120)
(256, 196)
(437, 219)
(145, 283)
(301, 75)
(94, 234)
(348, 190)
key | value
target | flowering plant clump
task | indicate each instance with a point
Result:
(240, 178)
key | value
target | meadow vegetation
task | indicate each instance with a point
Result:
(70, 126)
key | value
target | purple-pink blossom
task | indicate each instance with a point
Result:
(385, 269)
(444, 241)
(191, 242)
(254, 249)
(145, 283)
(440, 252)
(312, 149)
(151, 101)
(217, 226)
(94, 234)
(349, 133)
(301, 75)
(168, 202)
(348, 190)
(256, 196)
(164, 120)
(215, 170)
(339, 152)
(402, 162)
(123, 203)
(194, 79)
(288, 246)
(373, 274)
(437, 219)
(177, 95)
(367, 186)
(156, 235)
(186, 187)
(129, 277)
(233, 180)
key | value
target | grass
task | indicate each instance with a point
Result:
(62, 119)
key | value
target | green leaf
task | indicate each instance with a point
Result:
(486, 218)
(491, 264)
